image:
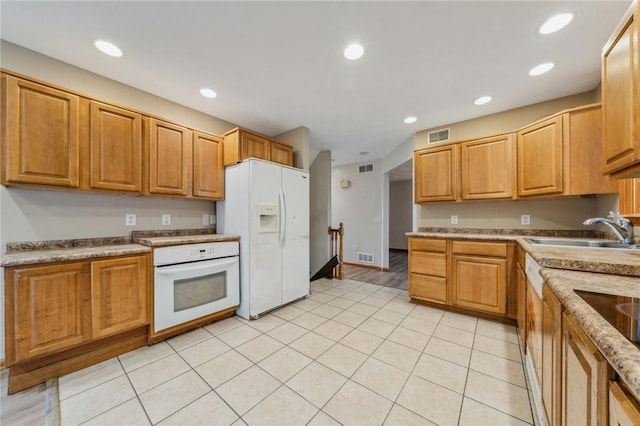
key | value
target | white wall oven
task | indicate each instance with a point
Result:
(194, 280)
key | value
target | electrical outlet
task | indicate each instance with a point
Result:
(212, 219)
(205, 219)
(130, 219)
(454, 220)
(525, 219)
(166, 219)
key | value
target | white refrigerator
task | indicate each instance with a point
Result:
(267, 205)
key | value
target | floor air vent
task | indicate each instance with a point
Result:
(441, 135)
(365, 257)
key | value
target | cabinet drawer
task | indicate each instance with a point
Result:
(482, 249)
(428, 263)
(427, 287)
(428, 244)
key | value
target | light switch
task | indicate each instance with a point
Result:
(212, 219)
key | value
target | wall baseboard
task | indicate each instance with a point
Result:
(360, 265)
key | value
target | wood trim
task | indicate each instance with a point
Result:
(182, 328)
(360, 265)
(25, 375)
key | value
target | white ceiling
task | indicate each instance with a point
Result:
(279, 65)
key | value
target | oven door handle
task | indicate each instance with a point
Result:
(166, 270)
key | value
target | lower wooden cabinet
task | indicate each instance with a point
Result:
(428, 269)
(584, 378)
(623, 410)
(468, 274)
(118, 295)
(479, 276)
(47, 309)
(521, 288)
(52, 308)
(551, 356)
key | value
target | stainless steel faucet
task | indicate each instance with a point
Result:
(620, 226)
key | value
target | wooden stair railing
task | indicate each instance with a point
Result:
(335, 238)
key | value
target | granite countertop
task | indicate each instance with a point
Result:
(184, 239)
(20, 258)
(589, 259)
(34, 252)
(623, 355)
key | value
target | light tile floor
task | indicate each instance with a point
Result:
(351, 353)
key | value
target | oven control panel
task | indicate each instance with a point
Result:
(192, 252)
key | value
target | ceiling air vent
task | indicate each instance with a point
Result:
(436, 136)
(365, 168)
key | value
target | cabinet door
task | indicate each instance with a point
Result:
(584, 134)
(621, 96)
(480, 283)
(630, 199)
(116, 148)
(487, 168)
(551, 356)
(436, 174)
(584, 378)
(254, 146)
(47, 310)
(281, 153)
(623, 411)
(208, 170)
(41, 134)
(521, 284)
(169, 157)
(541, 158)
(118, 295)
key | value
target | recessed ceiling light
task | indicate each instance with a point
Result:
(108, 48)
(353, 51)
(541, 69)
(208, 93)
(364, 153)
(556, 23)
(410, 119)
(483, 100)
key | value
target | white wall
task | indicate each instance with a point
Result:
(400, 213)
(320, 206)
(560, 213)
(359, 207)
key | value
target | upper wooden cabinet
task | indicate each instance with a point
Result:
(240, 144)
(436, 174)
(558, 155)
(621, 98)
(630, 199)
(116, 149)
(281, 153)
(208, 170)
(487, 167)
(54, 138)
(169, 148)
(40, 136)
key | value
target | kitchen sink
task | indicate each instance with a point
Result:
(581, 243)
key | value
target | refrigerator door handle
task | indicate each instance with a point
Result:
(283, 219)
